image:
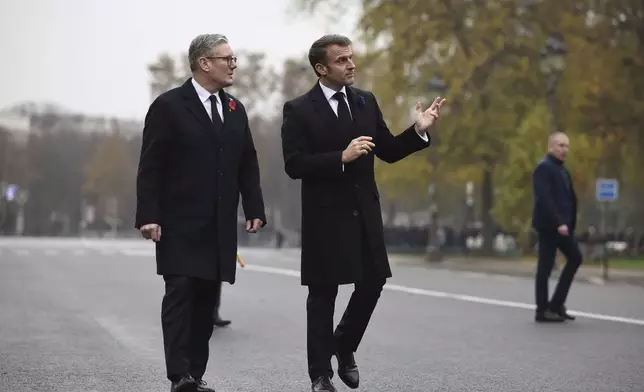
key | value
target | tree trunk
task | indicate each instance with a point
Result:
(487, 203)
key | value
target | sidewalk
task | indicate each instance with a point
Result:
(515, 267)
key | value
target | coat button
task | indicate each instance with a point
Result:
(355, 212)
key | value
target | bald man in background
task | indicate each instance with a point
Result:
(554, 219)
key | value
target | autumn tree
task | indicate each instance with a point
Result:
(167, 72)
(56, 153)
(110, 174)
(488, 53)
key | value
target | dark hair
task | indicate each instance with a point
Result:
(317, 53)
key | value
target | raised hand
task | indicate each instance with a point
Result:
(427, 118)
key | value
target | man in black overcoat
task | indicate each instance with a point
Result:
(554, 218)
(330, 137)
(196, 158)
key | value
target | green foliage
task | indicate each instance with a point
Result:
(514, 179)
(487, 52)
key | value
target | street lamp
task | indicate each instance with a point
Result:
(552, 64)
(469, 202)
(435, 87)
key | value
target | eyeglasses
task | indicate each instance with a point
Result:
(229, 59)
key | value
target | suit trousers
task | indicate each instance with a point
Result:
(549, 242)
(186, 320)
(322, 341)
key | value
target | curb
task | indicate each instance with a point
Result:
(526, 271)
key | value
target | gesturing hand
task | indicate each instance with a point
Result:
(358, 146)
(427, 118)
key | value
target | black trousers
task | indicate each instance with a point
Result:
(186, 320)
(321, 340)
(549, 242)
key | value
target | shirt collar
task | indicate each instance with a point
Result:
(328, 92)
(203, 94)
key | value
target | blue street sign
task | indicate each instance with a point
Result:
(606, 189)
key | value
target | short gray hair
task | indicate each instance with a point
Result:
(203, 45)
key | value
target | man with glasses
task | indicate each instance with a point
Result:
(197, 157)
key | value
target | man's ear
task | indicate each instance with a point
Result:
(321, 69)
(204, 65)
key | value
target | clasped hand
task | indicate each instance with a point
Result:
(358, 147)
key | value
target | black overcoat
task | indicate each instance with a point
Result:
(340, 205)
(189, 182)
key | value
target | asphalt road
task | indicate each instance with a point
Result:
(84, 315)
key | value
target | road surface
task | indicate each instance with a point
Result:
(83, 315)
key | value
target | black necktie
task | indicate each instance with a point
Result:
(216, 120)
(343, 109)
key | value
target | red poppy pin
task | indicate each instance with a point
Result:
(232, 104)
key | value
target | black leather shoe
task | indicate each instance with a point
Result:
(219, 322)
(323, 384)
(561, 311)
(201, 387)
(186, 384)
(348, 370)
(548, 316)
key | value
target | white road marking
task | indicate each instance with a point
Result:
(273, 270)
(138, 252)
(457, 297)
(78, 252)
(51, 252)
(596, 280)
(22, 252)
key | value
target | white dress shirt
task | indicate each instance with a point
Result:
(328, 93)
(204, 97)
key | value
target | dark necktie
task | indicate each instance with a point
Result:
(343, 109)
(216, 120)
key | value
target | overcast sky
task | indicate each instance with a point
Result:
(91, 55)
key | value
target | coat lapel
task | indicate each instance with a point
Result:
(196, 107)
(225, 108)
(321, 106)
(356, 103)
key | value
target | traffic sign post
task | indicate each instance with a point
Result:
(606, 191)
